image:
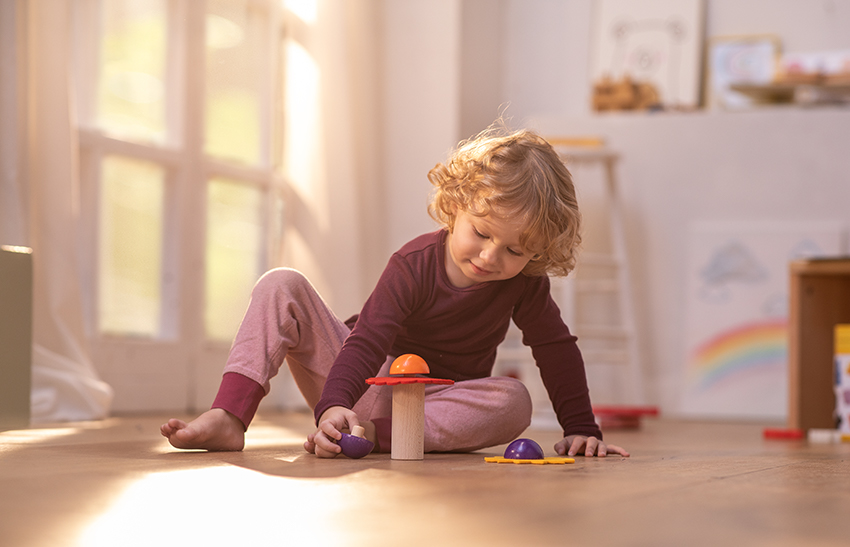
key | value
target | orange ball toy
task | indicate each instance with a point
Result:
(409, 364)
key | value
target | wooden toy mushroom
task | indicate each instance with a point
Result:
(408, 404)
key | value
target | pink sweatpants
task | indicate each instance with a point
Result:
(287, 319)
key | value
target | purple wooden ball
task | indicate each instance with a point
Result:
(355, 447)
(523, 449)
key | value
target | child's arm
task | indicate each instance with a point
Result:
(590, 446)
(321, 443)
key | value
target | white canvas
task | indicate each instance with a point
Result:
(735, 362)
(655, 41)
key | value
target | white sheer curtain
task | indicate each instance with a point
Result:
(334, 234)
(40, 210)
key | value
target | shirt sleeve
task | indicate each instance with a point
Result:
(558, 358)
(371, 339)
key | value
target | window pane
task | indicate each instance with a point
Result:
(234, 254)
(235, 70)
(130, 247)
(131, 88)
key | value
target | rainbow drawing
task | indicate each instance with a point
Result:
(744, 349)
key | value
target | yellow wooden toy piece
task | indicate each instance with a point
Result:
(550, 460)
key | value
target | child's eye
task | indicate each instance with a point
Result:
(513, 252)
(479, 234)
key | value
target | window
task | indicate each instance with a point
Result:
(130, 230)
(233, 253)
(178, 109)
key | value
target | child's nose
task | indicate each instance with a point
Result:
(488, 253)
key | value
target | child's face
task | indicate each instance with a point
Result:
(483, 249)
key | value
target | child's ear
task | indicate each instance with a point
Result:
(452, 218)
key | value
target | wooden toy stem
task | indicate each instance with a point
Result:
(358, 431)
(408, 422)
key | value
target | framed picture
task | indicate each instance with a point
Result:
(739, 60)
(653, 43)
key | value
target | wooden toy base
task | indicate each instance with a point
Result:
(408, 412)
(408, 422)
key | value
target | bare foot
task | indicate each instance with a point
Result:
(214, 430)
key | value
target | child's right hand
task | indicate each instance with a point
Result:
(321, 443)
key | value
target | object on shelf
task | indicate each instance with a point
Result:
(739, 60)
(839, 79)
(799, 78)
(804, 94)
(815, 67)
(624, 94)
(809, 78)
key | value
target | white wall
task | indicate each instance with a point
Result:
(786, 164)
(770, 164)
(421, 108)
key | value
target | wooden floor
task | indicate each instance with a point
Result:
(117, 483)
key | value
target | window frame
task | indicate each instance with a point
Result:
(188, 171)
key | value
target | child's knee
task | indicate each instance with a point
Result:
(517, 410)
(273, 280)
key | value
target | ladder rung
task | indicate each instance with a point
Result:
(575, 154)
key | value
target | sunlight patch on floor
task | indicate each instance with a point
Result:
(30, 436)
(38, 434)
(265, 434)
(221, 505)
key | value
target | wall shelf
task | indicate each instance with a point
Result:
(799, 93)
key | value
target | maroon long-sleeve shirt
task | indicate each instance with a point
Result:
(415, 309)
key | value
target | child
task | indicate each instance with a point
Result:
(510, 217)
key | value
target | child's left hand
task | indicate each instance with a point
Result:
(587, 446)
(323, 442)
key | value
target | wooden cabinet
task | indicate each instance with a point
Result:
(819, 299)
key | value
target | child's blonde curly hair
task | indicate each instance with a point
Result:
(517, 175)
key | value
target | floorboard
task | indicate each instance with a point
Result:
(118, 483)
